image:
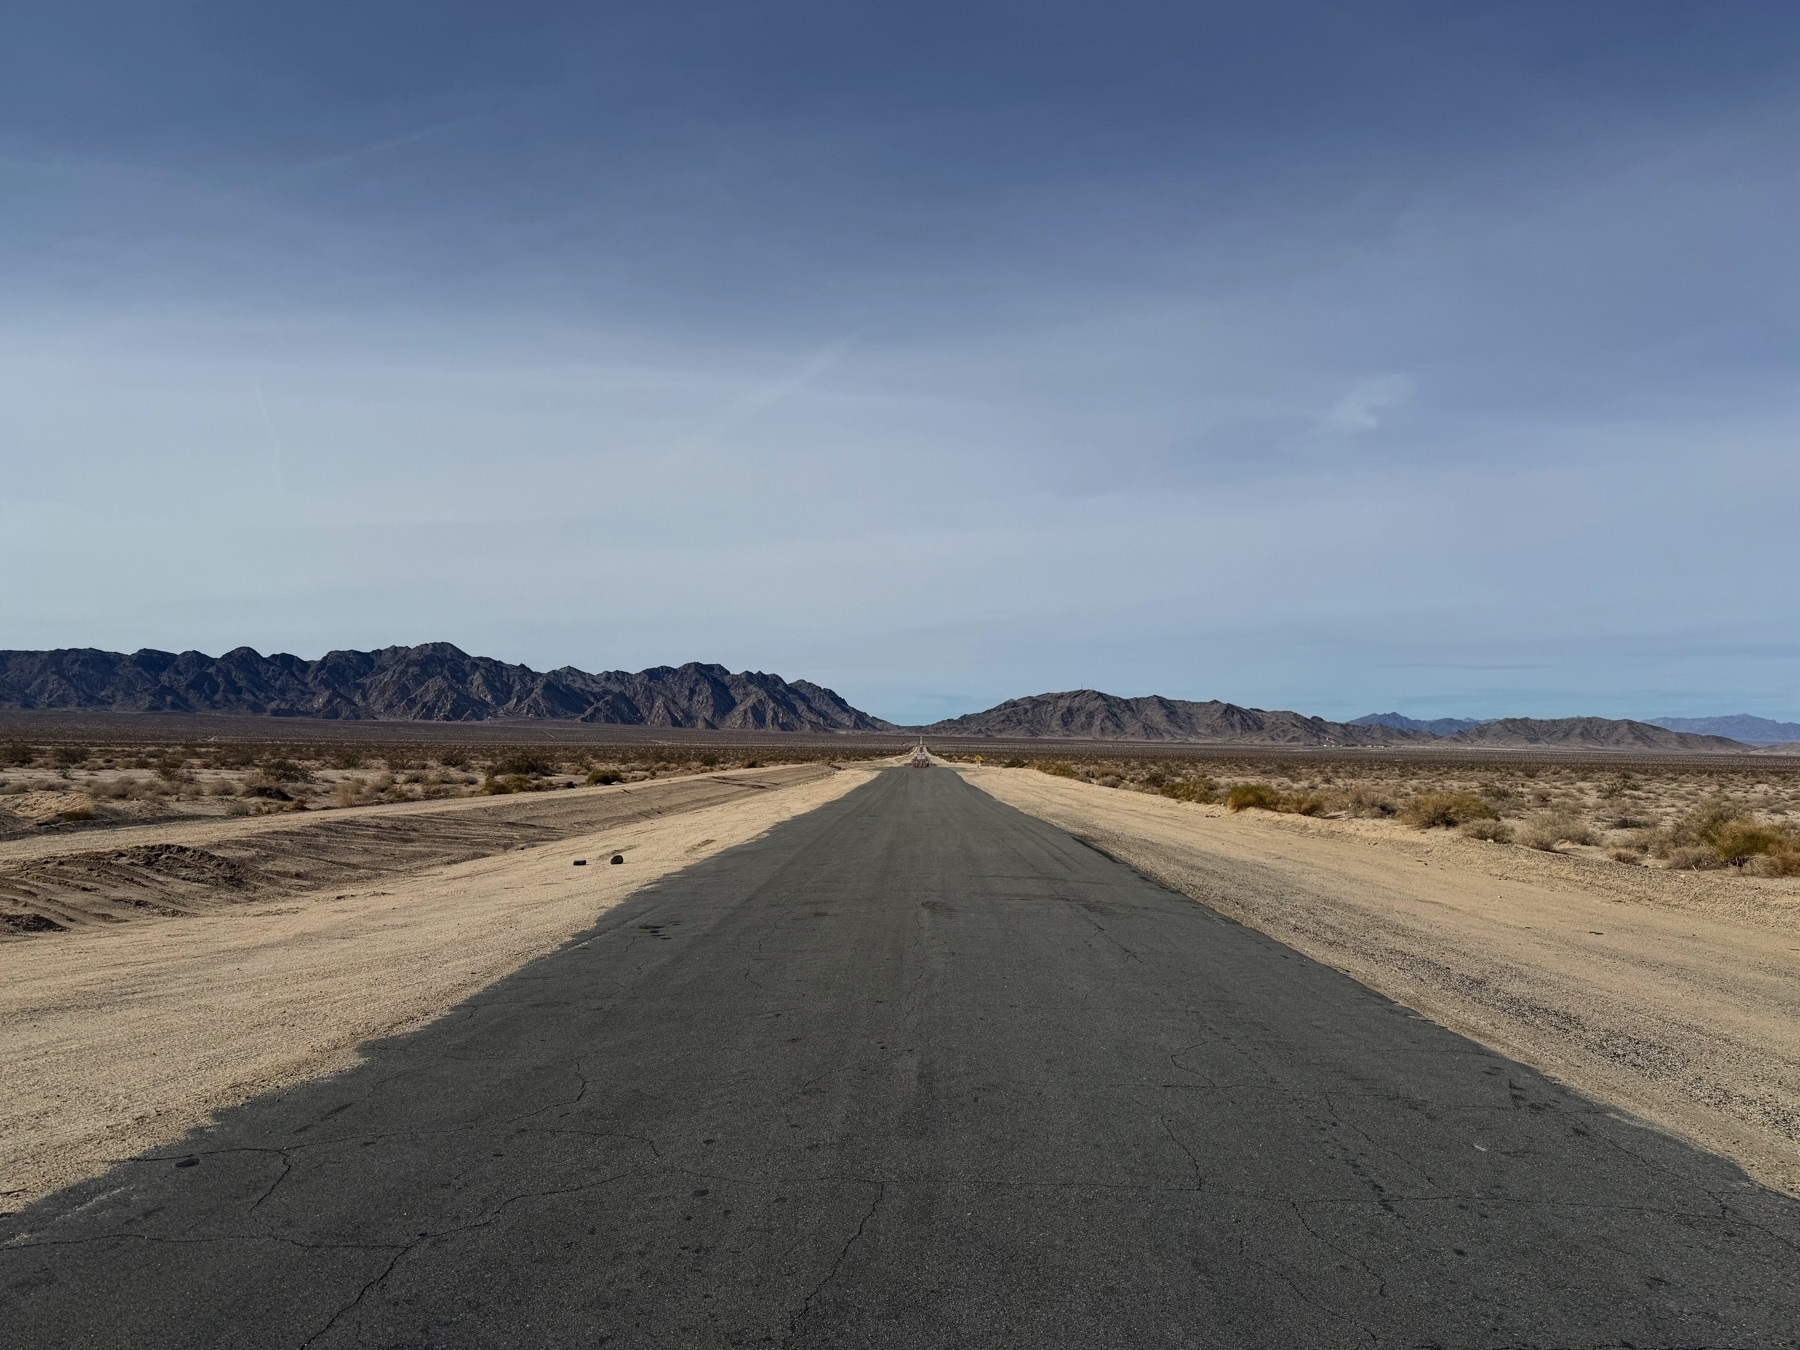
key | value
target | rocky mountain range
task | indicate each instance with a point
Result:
(438, 682)
(1742, 728)
(1087, 714)
(1584, 733)
(435, 682)
(1437, 726)
(1739, 726)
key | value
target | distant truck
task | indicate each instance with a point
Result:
(921, 758)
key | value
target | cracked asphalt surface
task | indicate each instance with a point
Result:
(915, 1070)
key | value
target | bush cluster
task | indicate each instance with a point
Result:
(1446, 810)
(1266, 797)
(1546, 829)
(1191, 790)
(500, 784)
(1721, 833)
(1494, 831)
(521, 764)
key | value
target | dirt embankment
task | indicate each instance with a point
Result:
(180, 870)
(121, 1036)
(1674, 994)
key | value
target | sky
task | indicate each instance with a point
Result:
(1334, 356)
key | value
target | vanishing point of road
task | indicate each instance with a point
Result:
(915, 1070)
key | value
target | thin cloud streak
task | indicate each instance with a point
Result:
(373, 149)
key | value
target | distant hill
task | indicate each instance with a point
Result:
(1436, 726)
(1740, 727)
(1087, 714)
(1585, 733)
(435, 682)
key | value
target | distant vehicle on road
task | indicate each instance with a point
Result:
(921, 758)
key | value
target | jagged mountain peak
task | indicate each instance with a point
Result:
(432, 681)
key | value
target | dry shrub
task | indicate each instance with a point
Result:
(1701, 822)
(1442, 810)
(1692, 858)
(1494, 831)
(1014, 763)
(118, 789)
(1780, 861)
(1305, 804)
(1739, 840)
(1194, 790)
(1363, 802)
(1260, 796)
(511, 782)
(16, 754)
(1719, 832)
(1057, 768)
(521, 764)
(605, 776)
(281, 769)
(1547, 829)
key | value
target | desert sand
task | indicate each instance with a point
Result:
(1675, 995)
(122, 1036)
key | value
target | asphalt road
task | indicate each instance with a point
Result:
(915, 1070)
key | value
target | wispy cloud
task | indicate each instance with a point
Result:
(277, 456)
(1367, 403)
(374, 149)
(751, 403)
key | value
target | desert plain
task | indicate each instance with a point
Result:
(186, 926)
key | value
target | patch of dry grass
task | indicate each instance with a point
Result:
(1681, 815)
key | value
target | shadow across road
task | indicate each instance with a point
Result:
(915, 1070)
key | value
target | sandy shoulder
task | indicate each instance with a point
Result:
(122, 1039)
(1676, 995)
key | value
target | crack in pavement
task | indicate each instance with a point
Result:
(830, 1275)
(429, 1236)
(1193, 1162)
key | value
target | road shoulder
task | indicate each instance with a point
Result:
(123, 1038)
(1674, 996)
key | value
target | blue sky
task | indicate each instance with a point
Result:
(1341, 357)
